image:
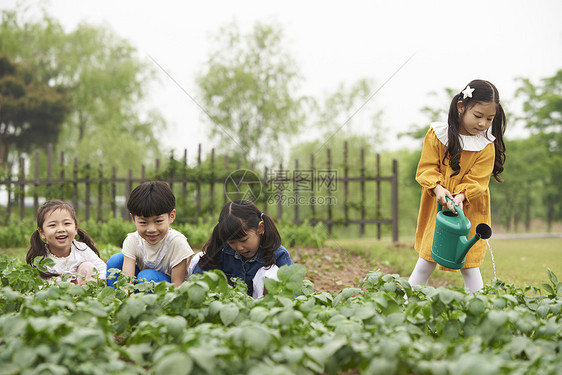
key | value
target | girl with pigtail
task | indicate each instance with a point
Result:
(54, 238)
(458, 158)
(244, 244)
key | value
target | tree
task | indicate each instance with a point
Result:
(542, 107)
(248, 90)
(439, 112)
(514, 200)
(344, 113)
(105, 81)
(31, 113)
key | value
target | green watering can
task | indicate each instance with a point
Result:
(450, 240)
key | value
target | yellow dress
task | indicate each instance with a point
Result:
(472, 180)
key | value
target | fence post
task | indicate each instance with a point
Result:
(330, 218)
(75, 186)
(87, 182)
(279, 194)
(184, 175)
(114, 191)
(226, 162)
(395, 200)
(378, 210)
(363, 199)
(36, 184)
(9, 189)
(198, 184)
(345, 186)
(265, 184)
(296, 191)
(212, 187)
(312, 187)
(49, 170)
(100, 191)
(129, 184)
(171, 168)
(61, 165)
(22, 188)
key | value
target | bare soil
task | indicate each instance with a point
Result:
(332, 270)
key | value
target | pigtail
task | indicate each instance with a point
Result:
(498, 130)
(37, 249)
(270, 241)
(84, 237)
(454, 146)
(211, 250)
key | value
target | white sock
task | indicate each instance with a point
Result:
(421, 272)
(472, 279)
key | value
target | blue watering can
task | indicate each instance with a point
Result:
(450, 240)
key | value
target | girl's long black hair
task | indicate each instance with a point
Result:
(235, 220)
(38, 248)
(486, 92)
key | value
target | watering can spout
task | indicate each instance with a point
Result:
(464, 244)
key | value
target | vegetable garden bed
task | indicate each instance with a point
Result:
(208, 327)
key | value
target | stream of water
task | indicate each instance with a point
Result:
(493, 261)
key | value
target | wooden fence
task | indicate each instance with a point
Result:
(311, 192)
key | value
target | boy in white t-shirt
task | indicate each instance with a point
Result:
(155, 252)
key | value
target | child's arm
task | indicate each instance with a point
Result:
(428, 173)
(179, 272)
(129, 266)
(99, 264)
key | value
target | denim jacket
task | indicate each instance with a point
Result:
(234, 265)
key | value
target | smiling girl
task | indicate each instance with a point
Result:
(245, 242)
(458, 158)
(54, 238)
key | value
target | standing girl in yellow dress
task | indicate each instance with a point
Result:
(457, 160)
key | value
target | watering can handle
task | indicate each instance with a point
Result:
(457, 208)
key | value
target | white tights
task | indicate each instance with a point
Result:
(423, 270)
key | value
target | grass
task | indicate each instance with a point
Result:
(521, 262)
(524, 261)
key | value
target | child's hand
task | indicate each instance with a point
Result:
(459, 199)
(441, 195)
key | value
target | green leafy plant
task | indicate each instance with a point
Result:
(206, 326)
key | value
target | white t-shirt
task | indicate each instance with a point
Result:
(259, 280)
(162, 256)
(193, 263)
(79, 253)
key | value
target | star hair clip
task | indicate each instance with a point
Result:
(467, 93)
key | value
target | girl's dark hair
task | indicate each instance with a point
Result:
(235, 220)
(38, 248)
(486, 92)
(151, 198)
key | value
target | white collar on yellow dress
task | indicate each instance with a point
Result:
(470, 142)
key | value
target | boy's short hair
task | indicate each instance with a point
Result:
(151, 198)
